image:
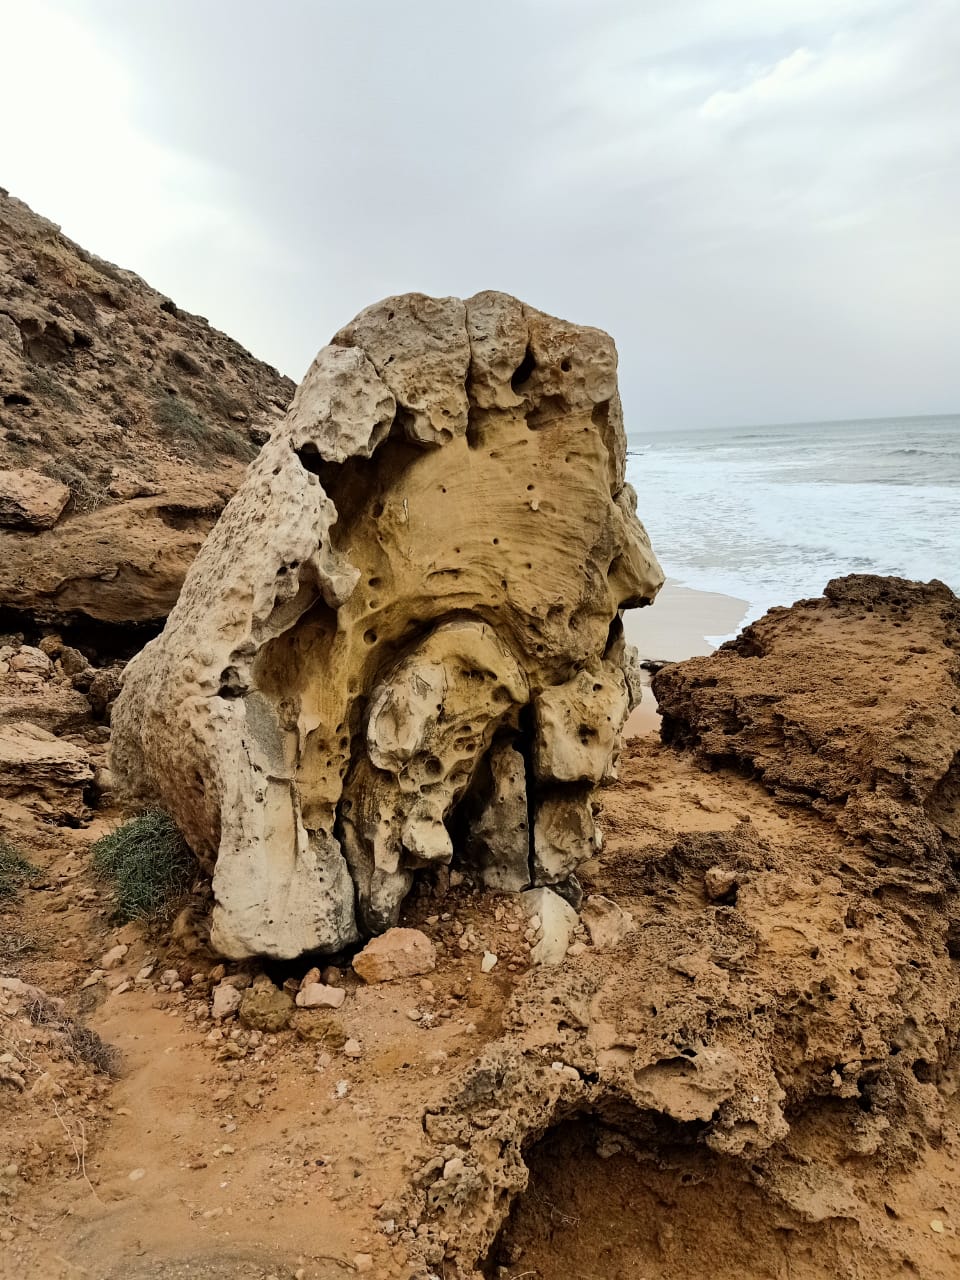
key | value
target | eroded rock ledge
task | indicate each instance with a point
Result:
(404, 631)
(783, 1019)
(849, 703)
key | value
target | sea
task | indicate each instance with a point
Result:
(769, 514)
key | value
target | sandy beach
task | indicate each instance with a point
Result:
(677, 624)
(675, 627)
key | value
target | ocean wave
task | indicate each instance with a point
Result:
(772, 524)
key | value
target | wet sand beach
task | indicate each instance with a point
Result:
(677, 626)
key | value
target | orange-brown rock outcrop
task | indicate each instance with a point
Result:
(849, 703)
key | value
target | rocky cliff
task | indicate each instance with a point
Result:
(125, 424)
(741, 1059)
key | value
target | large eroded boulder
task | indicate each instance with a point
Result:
(406, 621)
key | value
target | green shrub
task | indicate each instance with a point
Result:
(149, 864)
(15, 870)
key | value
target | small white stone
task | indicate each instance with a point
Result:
(557, 920)
(352, 1049)
(316, 995)
(226, 1000)
(110, 959)
(136, 1174)
(488, 962)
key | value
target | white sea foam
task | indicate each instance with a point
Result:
(770, 514)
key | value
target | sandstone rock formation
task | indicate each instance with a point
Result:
(125, 424)
(29, 500)
(849, 703)
(46, 772)
(415, 592)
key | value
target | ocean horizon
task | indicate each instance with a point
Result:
(769, 514)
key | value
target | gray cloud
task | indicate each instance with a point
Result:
(757, 198)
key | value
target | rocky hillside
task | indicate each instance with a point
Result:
(125, 424)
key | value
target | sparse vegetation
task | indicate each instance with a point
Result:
(148, 863)
(87, 493)
(180, 426)
(15, 870)
(15, 943)
(235, 445)
(51, 389)
(80, 1043)
(190, 435)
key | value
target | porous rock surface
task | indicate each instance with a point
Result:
(40, 769)
(849, 703)
(125, 425)
(797, 1038)
(783, 1016)
(422, 572)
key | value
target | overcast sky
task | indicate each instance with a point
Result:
(759, 199)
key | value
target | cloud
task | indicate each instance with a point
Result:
(757, 198)
(75, 134)
(771, 86)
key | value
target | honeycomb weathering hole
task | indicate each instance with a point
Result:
(601, 1205)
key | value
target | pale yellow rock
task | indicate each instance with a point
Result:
(578, 726)
(39, 769)
(31, 500)
(607, 923)
(555, 922)
(425, 566)
(497, 839)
